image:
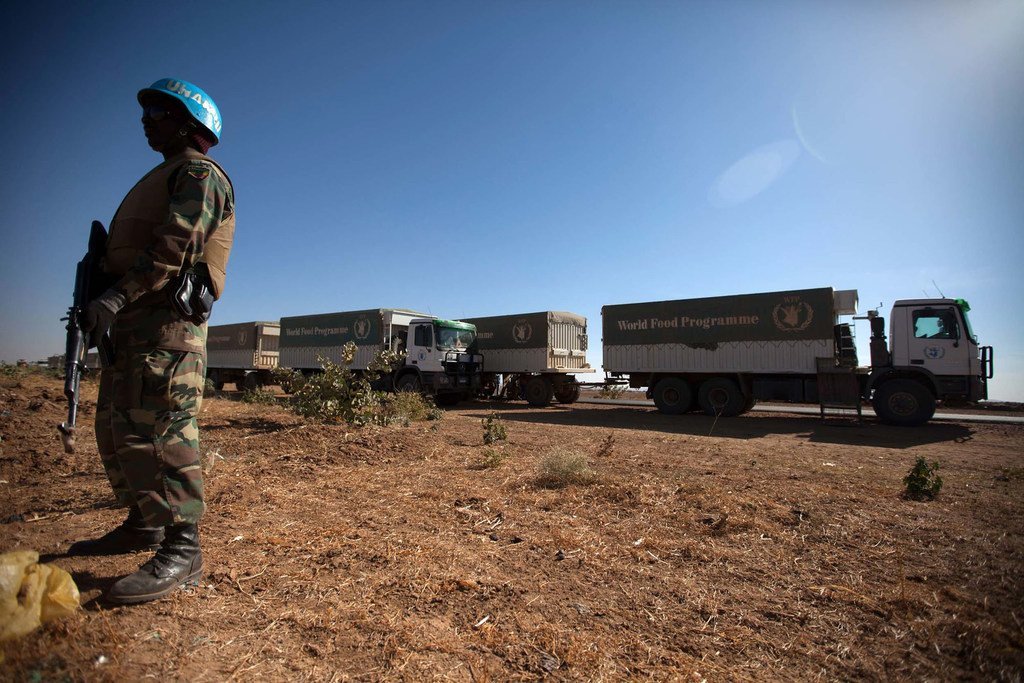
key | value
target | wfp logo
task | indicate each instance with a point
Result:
(242, 334)
(934, 352)
(793, 315)
(521, 332)
(362, 328)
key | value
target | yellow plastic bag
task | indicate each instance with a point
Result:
(32, 594)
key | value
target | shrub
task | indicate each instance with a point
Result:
(10, 370)
(562, 467)
(494, 429)
(260, 397)
(922, 481)
(11, 375)
(289, 380)
(58, 373)
(339, 394)
(408, 406)
(492, 458)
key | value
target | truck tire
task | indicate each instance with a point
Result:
(569, 392)
(447, 400)
(251, 382)
(408, 382)
(672, 395)
(749, 405)
(720, 396)
(538, 392)
(903, 402)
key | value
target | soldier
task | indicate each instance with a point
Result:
(166, 254)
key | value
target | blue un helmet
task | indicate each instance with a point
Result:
(200, 106)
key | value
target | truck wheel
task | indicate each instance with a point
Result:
(409, 382)
(447, 400)
(903, 402)
(720, 396)
(672, 396)
(538, 392)
(251, 382)
(748, 406)
(568, 392)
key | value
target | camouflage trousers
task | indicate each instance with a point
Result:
(147, 433)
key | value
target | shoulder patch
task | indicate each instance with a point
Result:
(198, 170)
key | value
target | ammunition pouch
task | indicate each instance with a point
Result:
(192, 295)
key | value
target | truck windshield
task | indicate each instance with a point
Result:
(450, 338)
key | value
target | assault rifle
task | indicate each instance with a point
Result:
(90, 282)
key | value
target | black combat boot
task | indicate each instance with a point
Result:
(132, 535)
(178, 561)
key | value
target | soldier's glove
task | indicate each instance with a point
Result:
(100, 313)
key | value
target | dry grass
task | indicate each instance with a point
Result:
(563, 467)
(336, 553)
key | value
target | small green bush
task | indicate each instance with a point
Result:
(9, 370)
(339, 394)
(260, 397)
(922, 481)
(58, 372)
(492, 458)
(561, 467)
(494, 429)
(289, 380)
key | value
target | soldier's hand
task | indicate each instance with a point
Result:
(100, 313)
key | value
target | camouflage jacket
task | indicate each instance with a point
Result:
(161, 228)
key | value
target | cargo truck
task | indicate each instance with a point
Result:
(533, 356)
(722, 354)
(56, 362)
(437, 360)
(244, 354)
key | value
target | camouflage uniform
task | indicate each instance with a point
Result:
(181, 212)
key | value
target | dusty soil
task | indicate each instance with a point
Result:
(765, 546)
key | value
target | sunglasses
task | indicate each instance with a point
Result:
(155, 112)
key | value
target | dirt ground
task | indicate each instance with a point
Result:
(759, 547)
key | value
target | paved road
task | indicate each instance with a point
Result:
(807, 410)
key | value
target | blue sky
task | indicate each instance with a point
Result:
(486, 158)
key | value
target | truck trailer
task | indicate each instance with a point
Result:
(534, 356)
(722, 354)
(244, 354)
(437, 360)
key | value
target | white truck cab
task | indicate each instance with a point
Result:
(933, 356)
(437, 359)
